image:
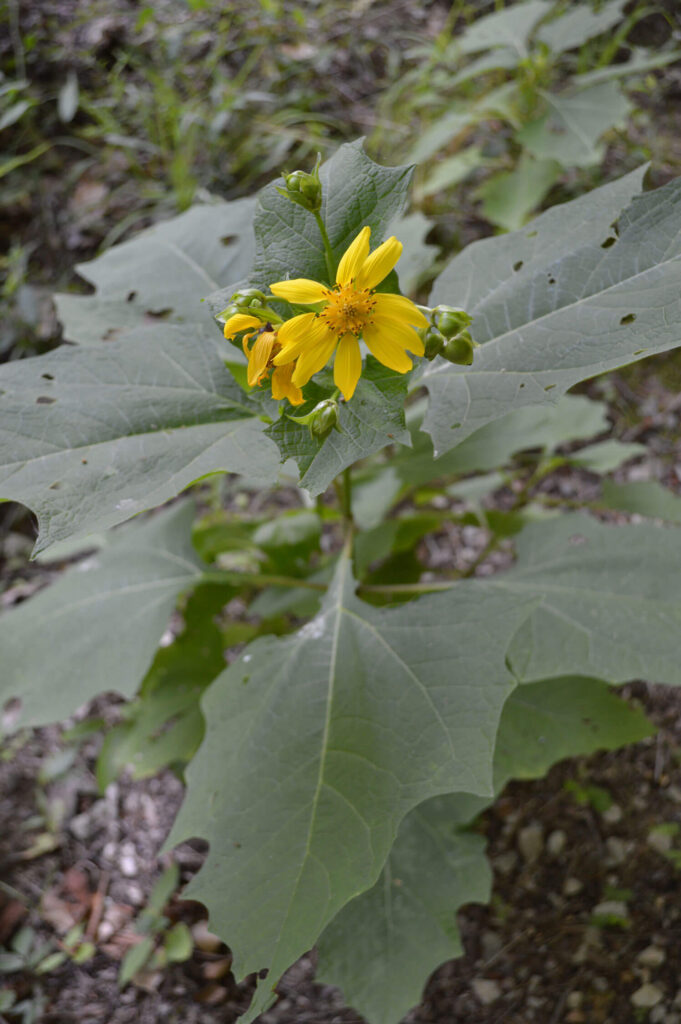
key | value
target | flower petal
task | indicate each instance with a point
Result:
(239, 322)
(379, 264)
(260, 357)
(399, 307)
(399, 332)
(386, 350)
(300, 289)
(353, 257)
(282, 387)
(347, 365)
(313, 360)
(302, 332)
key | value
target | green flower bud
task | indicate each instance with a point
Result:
(248, 297)
(303, 188)
(450, 321)
(324, 418)
(227, 313)
(433, 342)
(460, 349)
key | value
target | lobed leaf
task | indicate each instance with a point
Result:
(98, 626)
(318, 744)
(552, 311)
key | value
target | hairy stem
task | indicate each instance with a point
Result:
(328, 251)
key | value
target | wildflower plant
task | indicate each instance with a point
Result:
(372, 711)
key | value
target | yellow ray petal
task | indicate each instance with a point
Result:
(399, 307)
(282, 386)
(244, 344)
(300, 289)
(260, 356)
(387, 351)
(301, 333)
(347, 365)
(353, 257)
(379, 264)
(239, 322)
(313, 360)
(399, 332)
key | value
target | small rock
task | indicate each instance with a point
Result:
(505, 863)
(660, 841)
(617, 851)
(651, 956)
(574, 1000)
(611, 908)
(647, 996)
(674, 793)
(556, 842)
(487, 990)
(128, 861)
(658, 1015)
(613, 814)
(571, 886)
(491, 943)
(531, 842)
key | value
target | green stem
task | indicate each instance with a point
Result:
(257, 579)
(328, 251)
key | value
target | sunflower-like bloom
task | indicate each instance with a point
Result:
(261, 357)
(351, 308)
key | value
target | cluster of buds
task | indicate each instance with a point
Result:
(303, 188)
(448, 336)
(322, 420)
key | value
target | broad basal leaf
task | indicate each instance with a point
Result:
(164, 272)
(98, 626)
(91, 436)
(643, 497)
(382, 946)
(610, 601)
(511, 27)
(373, 419)
(316, 747)
(586, 307)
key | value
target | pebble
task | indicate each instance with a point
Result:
(647, 996)
(571, 886)
(531, 842)
(661, 842)
(617, 851)
(505, 863)
(574, 1000)
(651, 956)
(486, 990)
(491, 942)
(614, 908)
(128, 861)
(556, 842)
(613, 814)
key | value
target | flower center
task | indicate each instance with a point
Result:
(347, 310)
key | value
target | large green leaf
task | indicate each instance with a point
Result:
(98, 626)
(164, 272)
(644, 498)
(575, 27)
(510, 196)
(610, 601)
(550, 312)
(316, 747)
(510, 27)
(570, 131)
(373, 419)
(355, 192)
(383, 945)
(92, 435)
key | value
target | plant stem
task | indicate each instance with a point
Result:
(328, 251)
(258, 579)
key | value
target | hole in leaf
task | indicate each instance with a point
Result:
(628, 319)
(45, 400)
(549, 387)
(131, 296)
(47, 376)
(455, 426)
(228, 239)
(159, 314)
(10, 712)
(522, 384)
(518, 265)
(84, 461)
(640, 351)
(55, 486)
(608, 242)
(552, 279)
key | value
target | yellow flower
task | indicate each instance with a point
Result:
(352, 308)
(261, 357)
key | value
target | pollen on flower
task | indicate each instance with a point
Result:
(347, 310)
